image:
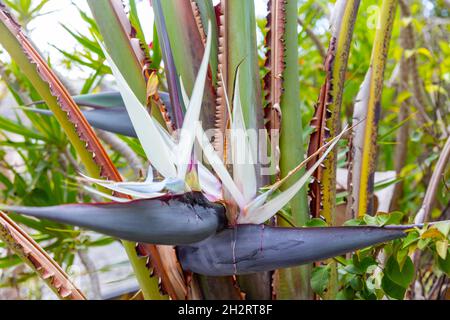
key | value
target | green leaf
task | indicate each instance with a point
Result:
(103, 241)
(9, 261)
(136, 23)
(400, 276)
(432, 233)
(443, 227)
(370, 221)
(316, 222)
(291, 142)
(423, 243)
(367, 262)
(56, 98)
(85, 42)
(356, 283)
(354, 222)
(425, 52)
(346, 294)
(444, 264)
(389, 218)
(401, 257)
(358, 266)
(368, 108)
(319, 279)
(156, 54)
(11, 126)
(352, 269)
(442, 248)
(411, 238)
(207, 13)
(392, 289)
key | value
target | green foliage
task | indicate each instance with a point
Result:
(319, 279)
(364, 276)
(27, 10)
(46, 175)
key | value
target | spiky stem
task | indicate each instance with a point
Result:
(294, 282)
(36, 258)
(368, 109)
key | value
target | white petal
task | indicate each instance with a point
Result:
(219, 167)
(105, 195)
(210, 185)
(134, 189)
(136, 194)
(191, 119)
(145, 127)
(149, 175)
(259, 214)
(184, 94)
(243, 166)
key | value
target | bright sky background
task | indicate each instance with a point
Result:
(46, 30)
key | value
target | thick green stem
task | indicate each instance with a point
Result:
(294, 282)
(148, 285)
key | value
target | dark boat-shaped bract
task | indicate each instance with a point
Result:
(205, 244)
(108, 111)
(111, 119)
(253, 248)
(168, 220)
